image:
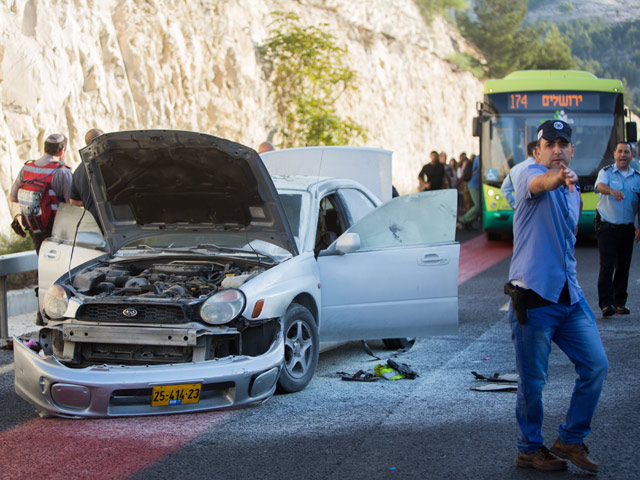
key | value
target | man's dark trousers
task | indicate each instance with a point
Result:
(615, 243)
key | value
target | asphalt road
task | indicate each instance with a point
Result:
(431, 427)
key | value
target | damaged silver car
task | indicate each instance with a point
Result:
(208, 283)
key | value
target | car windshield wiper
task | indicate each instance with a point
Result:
(244, 251)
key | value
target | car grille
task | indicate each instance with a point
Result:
(96, 312)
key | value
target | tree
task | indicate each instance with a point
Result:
(554, 53)
(508, 44)
(497, 30)
(430, 8)
(307, 75)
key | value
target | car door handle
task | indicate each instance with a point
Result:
(432, 259)
(52, 254)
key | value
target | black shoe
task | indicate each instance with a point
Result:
(608, 310)
(622, 311)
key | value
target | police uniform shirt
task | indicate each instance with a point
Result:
(544, 227)
(624, 211)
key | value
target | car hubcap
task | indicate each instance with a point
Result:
(298, 349)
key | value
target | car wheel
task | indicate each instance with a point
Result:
(301, 349)
(398, 343)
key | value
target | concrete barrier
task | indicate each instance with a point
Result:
(21, 301)
(12, 263)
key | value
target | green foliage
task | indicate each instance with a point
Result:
(554, 52)
(566, 7)
(466, 62)
(307, 75)
(431, 8)
(17, 244)
(608, 51)
(508, 44)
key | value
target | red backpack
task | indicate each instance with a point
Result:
(38, 202)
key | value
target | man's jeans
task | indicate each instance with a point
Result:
(573, 329)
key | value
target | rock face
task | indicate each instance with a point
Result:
(70, 65)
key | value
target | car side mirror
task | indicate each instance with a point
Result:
(346, 243)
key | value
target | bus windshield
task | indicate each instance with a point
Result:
(512, 126)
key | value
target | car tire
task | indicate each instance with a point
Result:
(398, 343)
(301, 349)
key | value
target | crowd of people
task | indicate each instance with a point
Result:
(463, 174)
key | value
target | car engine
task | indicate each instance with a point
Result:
(175, 280)
(146, 312)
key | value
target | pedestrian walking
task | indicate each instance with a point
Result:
(547, 304)
(619, 186)
(432, 175)
(473, 186)
(39, 187)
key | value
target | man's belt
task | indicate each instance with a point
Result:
(616, 225)
(524, 299)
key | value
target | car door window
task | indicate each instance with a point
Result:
(331, 222)
(357, 204)
(420, 218)
(66, 224)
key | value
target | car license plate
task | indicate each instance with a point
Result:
(176, 394)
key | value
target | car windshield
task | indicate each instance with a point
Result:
(511, 127)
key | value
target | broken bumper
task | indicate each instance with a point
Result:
(115, 390)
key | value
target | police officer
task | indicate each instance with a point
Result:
(543, 267)
(40, 186)
(619, 186)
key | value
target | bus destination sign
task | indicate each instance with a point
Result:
(538, 101)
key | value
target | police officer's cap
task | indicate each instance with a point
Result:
(552, 129)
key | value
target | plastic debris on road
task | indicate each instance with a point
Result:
(505, 382)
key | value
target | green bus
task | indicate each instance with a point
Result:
(509, 116)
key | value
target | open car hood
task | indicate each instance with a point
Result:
(155, 182)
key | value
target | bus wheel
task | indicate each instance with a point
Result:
(493, 236)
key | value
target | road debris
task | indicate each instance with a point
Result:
(506, 382)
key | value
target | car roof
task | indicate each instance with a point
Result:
(320, 184)
(368, 166)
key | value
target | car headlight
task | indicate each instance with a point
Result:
(222, 307)
(56, 301)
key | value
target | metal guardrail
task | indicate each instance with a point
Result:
(12, 263)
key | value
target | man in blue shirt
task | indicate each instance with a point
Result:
(619, 186)
(514, 173)
(550, 305)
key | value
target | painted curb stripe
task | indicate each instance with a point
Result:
(114, 448)
(479, 254)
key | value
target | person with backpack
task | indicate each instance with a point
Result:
(40, 186)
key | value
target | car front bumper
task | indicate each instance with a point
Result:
(118, 390)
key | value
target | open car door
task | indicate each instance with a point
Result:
(56, 251)
(402, 278)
